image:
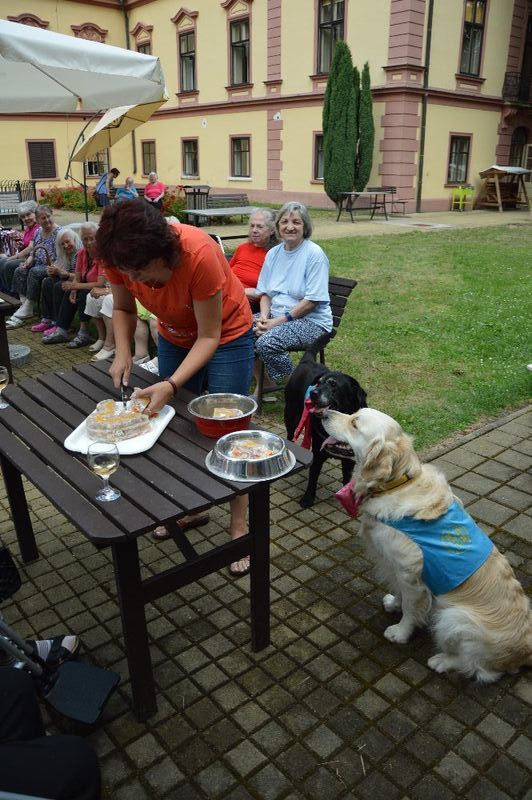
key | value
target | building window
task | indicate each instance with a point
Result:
(41, 156)
(330, 30)
(318, 157)
(98, 164)
(240, 52)
(475, 12)
(187, 61)
(190, 158)
(240, 157)
(145, 48)
(518, 147)
(458, 159)
(149, 163)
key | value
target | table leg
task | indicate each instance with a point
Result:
(19, 509)
(340, 208)
(384, 207)
(259, 526)
(4, 348)
(130, 596)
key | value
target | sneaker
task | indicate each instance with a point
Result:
(151, 366)
(42, 326)
(55, 338)
(14, 322)
(140, 361)
(49, 331)
(98, 344)
(103, 354)
(25, 311)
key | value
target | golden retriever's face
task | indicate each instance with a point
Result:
(382, 449)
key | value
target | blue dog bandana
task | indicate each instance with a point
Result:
(453, 547)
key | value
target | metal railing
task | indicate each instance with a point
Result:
(25, 189)
(517, 87)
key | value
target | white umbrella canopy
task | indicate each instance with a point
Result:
(115, 123)
(48, 71)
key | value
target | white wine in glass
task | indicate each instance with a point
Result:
(104, 458)
(4, 380)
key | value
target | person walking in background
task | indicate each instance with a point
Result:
(154, 191)
(104, 186)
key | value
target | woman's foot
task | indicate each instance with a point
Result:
(184, 524)
(103, 354)
(239, 568)
(42, 326)
(82, 339)
(98, 344)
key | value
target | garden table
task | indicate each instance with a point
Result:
(348, 199)
(158, 486)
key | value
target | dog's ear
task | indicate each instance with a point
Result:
(379, 462)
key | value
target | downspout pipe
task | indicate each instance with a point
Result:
(424, 104)
(126, 26)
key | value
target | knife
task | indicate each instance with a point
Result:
(123, 395)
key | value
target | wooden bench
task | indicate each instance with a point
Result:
(228, 201)
(339, 292)
(12, 193)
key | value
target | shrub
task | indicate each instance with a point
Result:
(72, 198)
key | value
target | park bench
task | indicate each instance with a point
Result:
(12, 193)
(140, 191)
(339, 292)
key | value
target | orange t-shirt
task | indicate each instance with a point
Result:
(202, 271)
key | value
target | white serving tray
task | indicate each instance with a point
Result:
(78, 441)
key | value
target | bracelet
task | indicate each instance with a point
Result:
(172, 383)
(289, 317)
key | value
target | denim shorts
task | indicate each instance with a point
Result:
(229, 370)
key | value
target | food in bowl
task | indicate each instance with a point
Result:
(227, 413)
(248, 448)
(111, 421)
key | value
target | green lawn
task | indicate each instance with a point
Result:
(438, 330)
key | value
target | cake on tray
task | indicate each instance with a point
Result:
(112, 421)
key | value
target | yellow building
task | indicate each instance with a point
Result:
(451, 82)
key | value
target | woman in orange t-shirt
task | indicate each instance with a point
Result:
(204, 321)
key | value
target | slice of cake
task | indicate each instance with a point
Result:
(111, 421)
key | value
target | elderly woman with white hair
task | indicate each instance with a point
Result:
(248, 258)
(154, 191)
(87, 275)
(67, 245)
(8, 264)
(295, 309)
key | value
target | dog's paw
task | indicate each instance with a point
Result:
(307, 500)
(391, 603)
(400, 634)
(439, 663)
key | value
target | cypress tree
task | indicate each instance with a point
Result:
(339, 125)
(366, 132)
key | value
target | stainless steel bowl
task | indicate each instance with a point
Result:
(220, 461)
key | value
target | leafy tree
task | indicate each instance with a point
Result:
(339, 125)
(366, 133)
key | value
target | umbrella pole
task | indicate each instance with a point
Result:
(69, 176)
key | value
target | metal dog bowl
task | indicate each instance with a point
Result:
(19, 354)
(204, 407)
(223, 462)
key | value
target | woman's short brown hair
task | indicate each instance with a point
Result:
(133, 233)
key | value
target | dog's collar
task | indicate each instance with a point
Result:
(391, 485)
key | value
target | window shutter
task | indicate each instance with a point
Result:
(42, 160)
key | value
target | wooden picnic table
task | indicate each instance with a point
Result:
(158, 487)
(213, 213)
(348, 200)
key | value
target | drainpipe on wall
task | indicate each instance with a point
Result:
(133, 140)
(424, 103)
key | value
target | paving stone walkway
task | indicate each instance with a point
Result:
(331, 709)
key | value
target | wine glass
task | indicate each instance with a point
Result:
(4, 380)
(104, 458)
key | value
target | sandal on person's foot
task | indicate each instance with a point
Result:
(57, 650)
(184, 524)
(238, 573)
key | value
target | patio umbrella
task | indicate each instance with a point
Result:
(115, 123)
(47, 71)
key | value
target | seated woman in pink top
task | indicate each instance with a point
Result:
(154, 191)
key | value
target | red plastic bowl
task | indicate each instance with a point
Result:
(202, 409)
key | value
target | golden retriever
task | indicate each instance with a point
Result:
(481, 620)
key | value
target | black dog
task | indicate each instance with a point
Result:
(331, 390)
